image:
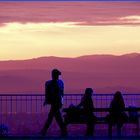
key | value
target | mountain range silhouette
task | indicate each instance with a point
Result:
(104, 73)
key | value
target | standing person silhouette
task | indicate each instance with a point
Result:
(88, 106)
(54, 91)
(117, 115)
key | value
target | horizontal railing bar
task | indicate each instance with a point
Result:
(129, 94)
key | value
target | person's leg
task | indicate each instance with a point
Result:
(109, 129)
(48, 122)
(119, 126)
(60, 122)
(90, 126)
(89, 131)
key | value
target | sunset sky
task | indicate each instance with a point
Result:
(68, 29)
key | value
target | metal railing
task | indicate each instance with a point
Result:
(24, 114)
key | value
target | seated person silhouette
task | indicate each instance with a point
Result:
(117, 115)
(87, 104)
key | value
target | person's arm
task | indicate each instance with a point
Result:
(123, 106)
(46, 90)
(62, 89)
(111, 107)
(92, 104)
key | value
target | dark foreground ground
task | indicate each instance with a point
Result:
(69, 138)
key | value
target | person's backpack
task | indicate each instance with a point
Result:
(74, 113)
(51, 92)
(48, 92)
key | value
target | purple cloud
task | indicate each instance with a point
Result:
(88, 13)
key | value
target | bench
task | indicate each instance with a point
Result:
(133, 117)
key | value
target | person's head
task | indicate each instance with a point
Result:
(88, 92)
(118, 96)
(55, 74)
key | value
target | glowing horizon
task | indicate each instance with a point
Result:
(30, 30)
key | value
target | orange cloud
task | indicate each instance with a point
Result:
(20, 41)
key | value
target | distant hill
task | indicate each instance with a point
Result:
(105, 73)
